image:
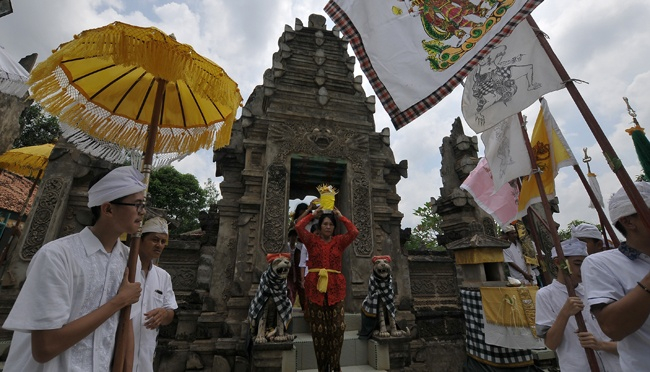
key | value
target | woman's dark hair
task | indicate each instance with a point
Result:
(300, 208)
(324, 216)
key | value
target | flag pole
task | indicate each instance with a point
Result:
(604, 222)
(568, 281)
(538, 245)
(612, 158)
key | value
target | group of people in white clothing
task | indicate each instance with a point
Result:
(612, 292)
(66, 315)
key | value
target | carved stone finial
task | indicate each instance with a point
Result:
(317, 21)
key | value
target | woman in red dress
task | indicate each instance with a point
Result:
(325, 284)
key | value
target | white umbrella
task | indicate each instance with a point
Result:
(13, 77)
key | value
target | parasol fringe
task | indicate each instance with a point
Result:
(112, 152)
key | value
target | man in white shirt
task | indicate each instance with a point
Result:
(589, 234)
(556, 324)
(514, 257)
(617, 283)
(66, 314)
(158, 302)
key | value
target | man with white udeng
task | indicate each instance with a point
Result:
(66, 314)
(617, 283)
(158, 302)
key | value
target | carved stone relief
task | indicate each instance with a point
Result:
(333, 142)
(274, 208)
(52, 194)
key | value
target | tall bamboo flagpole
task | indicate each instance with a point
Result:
(612, 158)
(568, 281)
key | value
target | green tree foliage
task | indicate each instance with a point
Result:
(424, 235)
(566, 233)
(211, 192)
(37, 127)
(180, 194)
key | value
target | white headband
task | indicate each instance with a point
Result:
(620, 204)
(572, 247)
(586, 230)
(155, 225)
(116, 184)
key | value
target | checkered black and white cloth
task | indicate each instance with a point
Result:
(475, 336)
(271, 287)
(379, 288)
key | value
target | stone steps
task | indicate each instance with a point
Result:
(356, 354)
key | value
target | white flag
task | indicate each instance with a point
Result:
(506, 151)
(508, 80)
(415, 52)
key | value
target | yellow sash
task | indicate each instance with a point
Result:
(322, 278)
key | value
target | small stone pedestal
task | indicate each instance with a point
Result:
(389, 353)
(274, 357)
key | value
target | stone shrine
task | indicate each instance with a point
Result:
(309, 123)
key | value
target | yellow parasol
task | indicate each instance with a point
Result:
(30, 162)
(105, 82)
(138, 88)
(27, 161)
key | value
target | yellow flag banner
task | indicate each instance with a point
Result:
(551, 152)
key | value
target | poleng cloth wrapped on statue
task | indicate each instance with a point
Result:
(509, 317)
(477, 347)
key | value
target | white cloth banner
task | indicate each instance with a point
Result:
(13, 77)
(415, 52)
(595, 187)
(509, 79)
(506, 151)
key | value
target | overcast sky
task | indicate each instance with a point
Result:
(604, 43)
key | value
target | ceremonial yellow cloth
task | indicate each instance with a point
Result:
(477, 256)
(510, 306)
(323, 275)
(531, 260)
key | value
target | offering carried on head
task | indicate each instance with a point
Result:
(327, 197)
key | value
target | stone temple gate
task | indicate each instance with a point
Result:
(309, 123)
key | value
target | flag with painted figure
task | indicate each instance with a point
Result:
(551, 152)
(511, 77)
(506, 151)
(502, 205)
(415, 52)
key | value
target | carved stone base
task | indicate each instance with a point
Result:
(273, 357)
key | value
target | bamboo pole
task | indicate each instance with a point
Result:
(608, 151)
(591, 356)
(538, 247)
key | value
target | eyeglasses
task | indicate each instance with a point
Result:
(140, 206)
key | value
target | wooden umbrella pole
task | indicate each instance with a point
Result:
(604, 222)
(610, 155)
(591, 356)
(124, 345)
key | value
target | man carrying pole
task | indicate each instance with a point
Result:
(617, 283)
(66, 314)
